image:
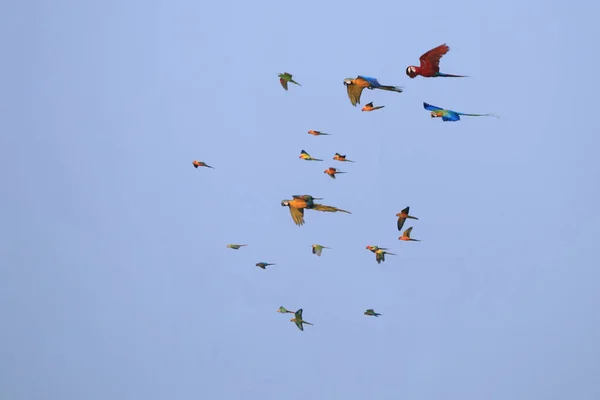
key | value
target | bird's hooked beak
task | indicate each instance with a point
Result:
(347, 81)
(410, 71)
(285, 203)
(432, 114)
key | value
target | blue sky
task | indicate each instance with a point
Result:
(115, 281)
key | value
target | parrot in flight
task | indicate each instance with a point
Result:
(285, 78)
(449, 115)
(235, 246)
(263, 265)
(371, 312)
(298, 320)
(340, 157)
(197, 164)
(318, 133)
(318, 249)
(305, 156)
(284, 310)
(355, 87)
(375, 248)
(369, 107)
(332, 171)
(380, 253)
(430, 64)
(406, 236)
(402, 216)
(299, 203)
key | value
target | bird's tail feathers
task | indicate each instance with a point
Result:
(452, 76)
(391, 88)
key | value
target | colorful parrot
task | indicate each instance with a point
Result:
(369, 107)
(355, 87)
(402, 216)
(299, 203)
(310, 201)
(340, 157)
(285, 78)
(372, 312)
(197, 164)
(263, 265)
(298, 320)
(332, 171)
(305, 156)
(406, 236)
(318, 133)
(318, 249)
(430, 64)
(284, 310)
(375, 248)
(380, 255)
(449, 115)
(235, 246)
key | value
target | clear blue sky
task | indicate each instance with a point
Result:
(115, 282)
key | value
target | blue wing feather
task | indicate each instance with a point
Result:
(430, 107)
(373, 81)
(451, 116)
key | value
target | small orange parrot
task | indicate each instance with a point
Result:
(332, 171)
(340, 157)
(406, 236)
(370, 107)
(318, 133)
(402, 216)
(197, 164)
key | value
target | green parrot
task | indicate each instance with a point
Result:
(263, 265)
(235, 246)
(284, 310)
(318, 249)
(380, 255)
(285, 78)
(298, 320)
(371, 312)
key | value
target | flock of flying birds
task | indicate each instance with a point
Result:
(429, 68)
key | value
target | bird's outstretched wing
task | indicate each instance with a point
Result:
(430, 61)
(354, 92)
(429, 107)
(283, 83)
(297, 215)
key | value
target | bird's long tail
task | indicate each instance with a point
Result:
(307, 323)
(391, 88)
(349, 161)
(209, 166)
(411, 217)
(391, 254)
(377, 108)
(322, 207)
(293, 81)
(376, 314)
(479, 115)
(316, 159)
(339, 172)
(452, 76)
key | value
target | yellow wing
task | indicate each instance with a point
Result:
(297, 215)
(322, 207)
(354, 92)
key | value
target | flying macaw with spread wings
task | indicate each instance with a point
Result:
(301, 202)
(355, 87)
(430, 64)
(449, 115)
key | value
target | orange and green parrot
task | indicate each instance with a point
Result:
(284, 310)
(406, 236)
(305, 156)
(298, 320)
(380, 255)
(355, 86)
(402, 216)
(449, 115)
(370, 107)
(372, 313)
(299, 203)
(318, 249)
(285, 78)
(340, 157)
(235, 246)
(332, 171)
(263, 265)
(197, 164)
(430, 64)
(318, 133)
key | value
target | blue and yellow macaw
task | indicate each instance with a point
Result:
(449, 115)
(356, 86)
